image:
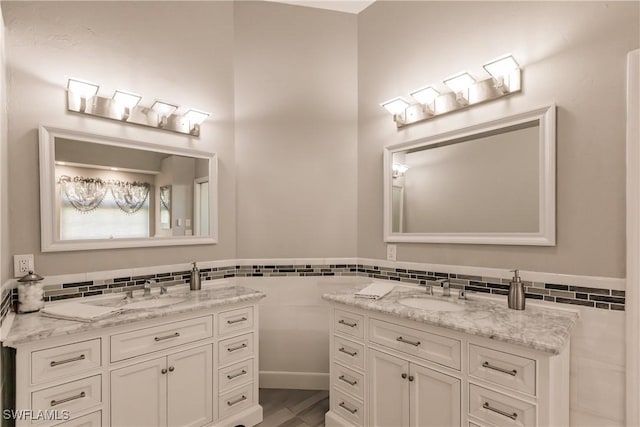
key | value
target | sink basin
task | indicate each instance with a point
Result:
(431, 304)
(153, 303)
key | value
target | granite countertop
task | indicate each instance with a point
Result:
(35, 326)
(536, 327)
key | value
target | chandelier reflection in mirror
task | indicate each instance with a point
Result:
(82, 97)
(465, 91)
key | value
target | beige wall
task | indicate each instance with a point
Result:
(181, 53)
(296, 133)
(572, 53)
(4, 163)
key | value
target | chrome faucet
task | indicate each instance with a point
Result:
(444, 283)
(147, 288)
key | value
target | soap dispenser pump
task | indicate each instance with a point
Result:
(194, 282)
(516, 298)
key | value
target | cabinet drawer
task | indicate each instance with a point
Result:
(349, 323)
(435, 348)
(142, 341)
(236, 348)
(499, 409)
(72, 396)
(235, 374)
(515, 372)
(348, 352)
(236, 400)
(348, 380)
(93, 419)
(65, 360)
(240, 319)
(347, 407)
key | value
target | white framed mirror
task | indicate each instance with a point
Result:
(490, 183)
(104, 192)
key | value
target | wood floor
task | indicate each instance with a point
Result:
(293, 408)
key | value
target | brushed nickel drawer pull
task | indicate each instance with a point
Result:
(242, 319)
(351, 383)
(239, 374)
(406, 341)
(513, 415)
(352, 354)
(240, 347)
(62, 362)
(343, 405)
(166, 337)
(235, 402)
(344, 322)
(512, 372)
(68, 399)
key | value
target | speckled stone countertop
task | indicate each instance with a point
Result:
(35, 326)
(536, 327)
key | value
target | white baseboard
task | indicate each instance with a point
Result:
(294, 380)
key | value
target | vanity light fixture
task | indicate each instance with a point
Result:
(465, 91)
(399, 169)
(82, 97)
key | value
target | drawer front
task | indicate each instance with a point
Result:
(349, 324)
(435, 348)
(142, 341)
(347, 407)
(499, 409)
(234, 349)
(93, 419)
(515, 372)
(73, 396)
(348, 352)
(235, 374)
(238, 320)
(348, 380)
(236, 400)
(65, 360)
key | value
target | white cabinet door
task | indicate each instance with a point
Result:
(139, 394)
(190, 379)
(435, 398)
(389, 390)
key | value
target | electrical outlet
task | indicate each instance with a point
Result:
(22, 264)
(391, 252)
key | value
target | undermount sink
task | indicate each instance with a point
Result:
(431, 304)
(153, 303)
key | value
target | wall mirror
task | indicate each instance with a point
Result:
(491, 183)
(101, 192)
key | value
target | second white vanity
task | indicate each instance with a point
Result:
(462, 363)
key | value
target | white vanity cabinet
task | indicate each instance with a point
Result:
(198, 368)
(392, 371)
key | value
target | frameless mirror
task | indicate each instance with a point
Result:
(101, 192)
(491, 183)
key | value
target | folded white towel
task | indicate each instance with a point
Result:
(79, 312)
(375, 290)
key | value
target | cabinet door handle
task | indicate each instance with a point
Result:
(512, 372)
(350, 353)
(404, 376)
(343, 405)
(62, 362)
(406, 341)
(166, 337)
(163, 371)
(351, 383)
(513, 415)
(411, 378)
(344, 322)
(240, 347)
(231, 322)
(238, 400)
(171, 369)
(239, 374)
(68, 399)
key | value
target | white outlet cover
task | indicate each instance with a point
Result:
(391, 252)
(22, 264)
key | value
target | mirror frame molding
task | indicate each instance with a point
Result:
(546, 234)
(52, 243)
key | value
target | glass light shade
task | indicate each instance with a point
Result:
(501, 67)
(460, 82)
(399, 169)
(81, 88)
(126, 99)
(163, 109)
(395, 105)
(196, 117)
(426, 95)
